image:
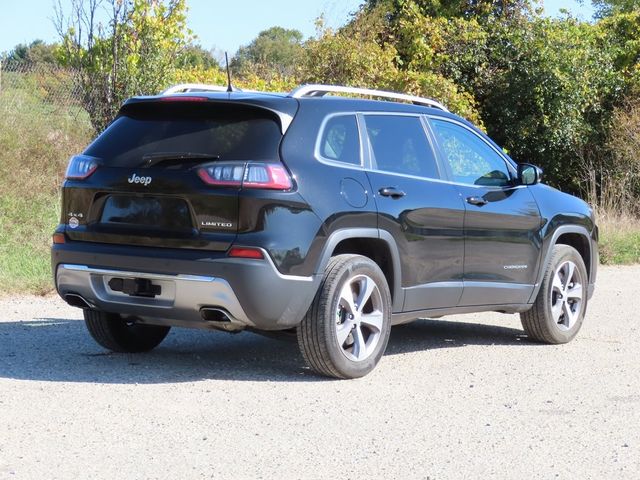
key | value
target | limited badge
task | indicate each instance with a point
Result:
(73, 222)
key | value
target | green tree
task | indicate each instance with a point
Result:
(194, 56)
(136, 53)
(544, 88)
(605, 8)
(620, 36)
(364, 53)
(481, 10)
(550, 93)
(276, 51)
(36, 52)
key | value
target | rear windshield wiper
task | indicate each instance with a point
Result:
(176, 158)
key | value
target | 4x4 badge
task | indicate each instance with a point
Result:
(137, 179)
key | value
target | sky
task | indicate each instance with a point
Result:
(220, 24)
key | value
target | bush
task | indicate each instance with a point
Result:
(621, 182)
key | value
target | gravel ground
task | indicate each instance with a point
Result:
(462, 397)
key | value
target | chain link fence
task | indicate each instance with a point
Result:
(42, 123)
(38, 89)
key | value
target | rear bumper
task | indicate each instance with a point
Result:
(179, 294)
(251, 293)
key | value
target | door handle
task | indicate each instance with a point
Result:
(477, 201)
(392, 192)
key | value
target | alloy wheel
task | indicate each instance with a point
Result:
(566, 295)
(359, 317)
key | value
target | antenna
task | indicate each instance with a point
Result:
(229, 86)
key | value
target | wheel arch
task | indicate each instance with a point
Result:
(580, 242)
(574, 236)
(378, 245)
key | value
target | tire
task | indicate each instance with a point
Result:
(558, 311)
(337, 337)
(119, 335)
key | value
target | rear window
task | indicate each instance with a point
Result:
(236, 133)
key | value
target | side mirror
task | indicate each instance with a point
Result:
(529, 174)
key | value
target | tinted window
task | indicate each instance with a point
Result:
(231, 134)
(340, 140)
(471, 159)
(399, 145)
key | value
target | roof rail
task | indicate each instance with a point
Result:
(196, 87)
(314, 90)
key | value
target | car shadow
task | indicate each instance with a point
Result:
(428, 334)
(61, 350)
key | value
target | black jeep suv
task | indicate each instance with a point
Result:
(331, 217)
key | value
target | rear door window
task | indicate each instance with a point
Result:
(399, 144)
(218, 131)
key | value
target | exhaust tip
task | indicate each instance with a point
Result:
(220, 319)
(76, 300)
(214, 315)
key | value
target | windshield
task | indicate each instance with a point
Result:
(222, 132)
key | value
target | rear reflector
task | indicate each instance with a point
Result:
(244, 252)
(58, 238)
(80, 167)
(269, 176)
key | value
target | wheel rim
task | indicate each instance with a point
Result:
(566, 295)
(359, 318)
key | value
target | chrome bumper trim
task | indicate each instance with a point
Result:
(181, 298)
(152, 276)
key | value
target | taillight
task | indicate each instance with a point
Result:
(270, 176)
(266, 175)
(80, 167)
(224, 174)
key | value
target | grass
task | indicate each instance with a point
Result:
(37, 136)
(619, 239)
(26, 225)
